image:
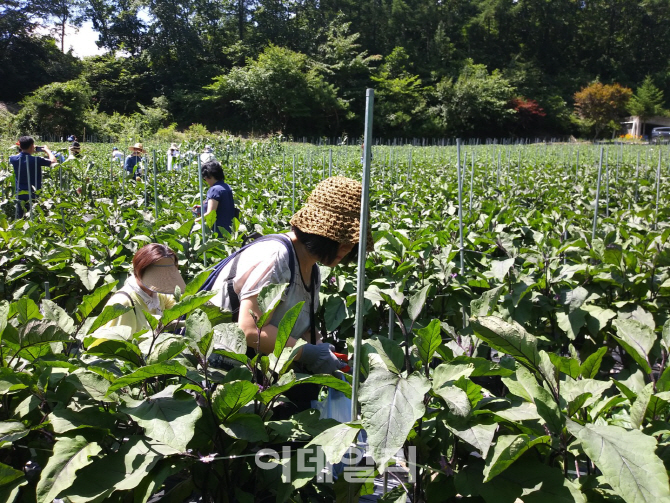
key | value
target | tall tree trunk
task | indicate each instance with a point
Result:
(240, 18)
(62, 37)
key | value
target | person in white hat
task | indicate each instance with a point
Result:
(172, 158)
(150, 288)
(117, 155)
(207, 155)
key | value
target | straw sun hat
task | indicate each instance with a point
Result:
(163, 276)
(138, 147)
(333, 210)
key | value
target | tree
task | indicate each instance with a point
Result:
(400, 105)
(58, 108)
(348, 68)
(281, 90)
(647, 101)
(64, 12)
(478, 104)
(602, 104)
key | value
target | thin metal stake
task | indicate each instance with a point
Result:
(595, 213)
(658, 186)
(362, 243)
(155, 189)
(202, 217)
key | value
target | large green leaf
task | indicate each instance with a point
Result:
(171, 368)
(427, 341)
(637, 339)
(167, 346)
(390, 404)
(64, 419)
(524, 385)
(231, 397)
(589, 369)
(336, 440)
(268, 299)
(627, 461)
(9, 474)
(185, 306)
(108, 314)
(508, 338)
(54, 312)
(69, 455)
(500, 268)
(288, 381)
(89, 277)
(93, 384)
(194, 285)
(27, 341)
(486, 304)
(4, 315)
(478, 435)
(25, 310)
(120, 471)
(91, 301)
(509, 448)
(197, 326)
(416, 303)
(168, 420)
(639, 408)
(247, 427)
(286, 327)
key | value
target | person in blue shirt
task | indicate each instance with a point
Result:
(219, 197)
(131, 165)
(28, 172)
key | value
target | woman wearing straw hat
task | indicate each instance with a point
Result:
(131, 165)
(150, 288)
(325, 231)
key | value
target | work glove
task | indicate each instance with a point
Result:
(319, 359)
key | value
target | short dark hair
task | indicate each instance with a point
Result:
(25, 142)
(212, 169)
(325, 249)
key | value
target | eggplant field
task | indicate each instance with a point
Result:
(516, 331)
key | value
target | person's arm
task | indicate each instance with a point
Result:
(212, 205)
(52, 158)
(268, 332)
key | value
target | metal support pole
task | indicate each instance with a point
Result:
(637, 175)
(202, 217)
(155, 189)
(330, 163)
(362, 243)
(595, 213)
(460, 214)
(47, 295)
(658, 187)
(293, 187)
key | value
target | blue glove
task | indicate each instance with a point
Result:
(319, 359)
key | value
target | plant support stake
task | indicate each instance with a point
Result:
(460, 213)
(360, 289)
(595, 213)
(155, 190)
(202, 217)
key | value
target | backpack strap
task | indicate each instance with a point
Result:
(233, 260)
(121, 292)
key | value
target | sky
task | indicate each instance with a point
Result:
(82, 40)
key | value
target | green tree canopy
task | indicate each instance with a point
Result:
(479, 103)
(59, 107)
(647, 101)
(281, 90)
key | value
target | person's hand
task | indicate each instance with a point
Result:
(196, 207)
(319, 359)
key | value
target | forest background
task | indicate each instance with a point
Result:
(479, 68)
